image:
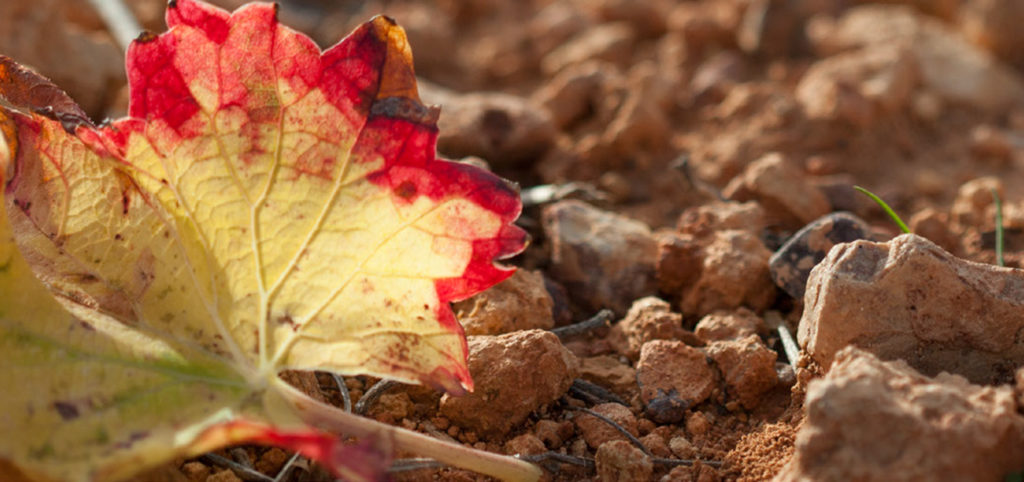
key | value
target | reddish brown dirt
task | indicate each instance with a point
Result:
(613, 95)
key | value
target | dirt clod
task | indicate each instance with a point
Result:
(596, 431)
(609, 372)
(785, 193)
(519, 303)
(649, 318)
(729, 325)
(620, 461)
(747, 367)
(672, 378)
(525, 444)
(873, 420)
(604, 260)
(514, 374)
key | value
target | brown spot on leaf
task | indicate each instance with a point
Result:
(67, 411)
(125, 202)
(287, 320)
(406, 190)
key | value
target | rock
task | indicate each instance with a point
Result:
(991, 144)
(911, 300)
(620, 461)
(504, 129)
(974, 206)
(871, 420)
(682, 448)
(391, 407)
(949, 65)
(556, 23)
(656, 445)
(729, 325)
(725, 270)
(640, 123)
(195, 471)
(648, 319)
(610, 373)
(791, 264)
(702, 220)
(525, 444)
(612, 42)
(698, 424)
(747, 367)
(226, 475)
(604, 260)
(597, 432)
(995, 26)
(935, 226)
(704, 26)
(647, 18)
(782, 189)
(673, 377)
(514, 375)
(716, 76)
(859, 86)
(572, 94)
(770, 28)
(521, 302)
(678, 264)
(553, 433)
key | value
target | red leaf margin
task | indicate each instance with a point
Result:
(362, 461)
(369, 76)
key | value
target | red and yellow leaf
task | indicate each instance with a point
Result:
(264, 206)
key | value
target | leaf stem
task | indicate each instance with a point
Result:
(888, 210)
(331, 418)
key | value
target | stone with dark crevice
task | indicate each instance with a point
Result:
(792, 263)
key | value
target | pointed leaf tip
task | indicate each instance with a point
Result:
(24, 89)
(397, 76)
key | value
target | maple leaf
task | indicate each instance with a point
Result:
(264, 206)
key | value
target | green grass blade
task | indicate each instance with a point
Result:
(999, 228)
(888, 210)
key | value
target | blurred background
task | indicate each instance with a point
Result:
(911, 98)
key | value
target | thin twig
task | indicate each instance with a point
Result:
(682, 164)
(434, 431)
(559, 457)
(120, 21)
(346, 398)
(602, 318)
(597, 392)
(635, 441)
(372, 395)
(243, 472)
(238, 454)
(281, 474)
(774, 319)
